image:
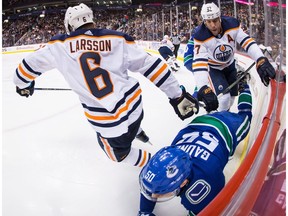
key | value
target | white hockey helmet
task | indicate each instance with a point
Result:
(77, 16)
(166, 37)
(210, 11)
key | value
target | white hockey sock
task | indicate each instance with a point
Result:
(137, 157)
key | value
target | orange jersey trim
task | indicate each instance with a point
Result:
(158, 72)
(200, 65)
(125, 108)
(236, 28)
(108, 149)
(25, 74)
(247, 42)
(144, 159)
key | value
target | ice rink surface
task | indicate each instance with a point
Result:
(52, 163)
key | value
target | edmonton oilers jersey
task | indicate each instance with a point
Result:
(218, 51)
(95, 64)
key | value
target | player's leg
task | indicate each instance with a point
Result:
(167, 54)
(176, 48)
(220, 83)
(119, 149)
(231, 76)
(163, 52)
(141, 135)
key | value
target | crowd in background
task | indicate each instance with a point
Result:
(148, 24)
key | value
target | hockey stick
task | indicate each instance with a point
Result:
(233, 84)
(236, 81)
(264, 49)
(53, 89)
(201, 104)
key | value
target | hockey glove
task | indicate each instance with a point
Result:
(265, 70)
(26, 92)
(186, 105)
(145, 214)
(209, 98)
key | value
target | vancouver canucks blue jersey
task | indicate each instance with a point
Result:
(210, 139)
(189, 53)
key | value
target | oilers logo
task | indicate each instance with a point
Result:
(223, 53)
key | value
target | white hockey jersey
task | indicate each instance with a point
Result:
(95, 64)
(168, 43)
(218, 51)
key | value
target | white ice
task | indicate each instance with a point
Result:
(52, 163)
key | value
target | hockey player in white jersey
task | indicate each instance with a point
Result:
(95, 63)
(166, 51)
(214, 65)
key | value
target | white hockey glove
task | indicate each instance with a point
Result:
(186, 105)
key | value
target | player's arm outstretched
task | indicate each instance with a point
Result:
(264, 68)
(185, 105)
(30, 68)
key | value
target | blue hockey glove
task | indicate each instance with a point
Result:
(209, 98)
(145, 214)
(186, 105)
(265, 70)
(26, 92)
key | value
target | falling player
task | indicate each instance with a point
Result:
(192, 167)
(214, 47)
(95, 63)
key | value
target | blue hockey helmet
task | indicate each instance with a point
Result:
(164, 173)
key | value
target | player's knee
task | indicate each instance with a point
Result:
(118, 155)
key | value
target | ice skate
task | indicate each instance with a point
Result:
(142, 137)
(177, 66)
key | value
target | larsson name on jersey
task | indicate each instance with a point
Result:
(93, 45)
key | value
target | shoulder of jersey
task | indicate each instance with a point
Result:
(93, 32)
(202, 33)
(229, 23)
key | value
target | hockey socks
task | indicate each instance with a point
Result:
(137, 157)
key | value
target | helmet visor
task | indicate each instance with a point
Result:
(155, 197)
